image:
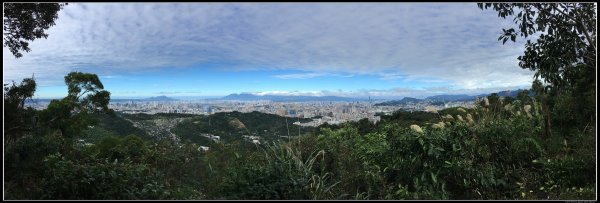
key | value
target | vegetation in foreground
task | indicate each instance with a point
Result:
(495, 151)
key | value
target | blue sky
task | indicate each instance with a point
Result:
(387, 50)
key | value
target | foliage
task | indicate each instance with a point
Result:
(406, 118)
(23, 163)
(233, 125)
(564, 56)
(104, 179)
(111, 125)
(72, 114)
(283, 174)
(26, 22)
(18, 119)
(498, 155)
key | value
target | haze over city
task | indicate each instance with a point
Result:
(389, 50)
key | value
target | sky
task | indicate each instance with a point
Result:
(382, 50)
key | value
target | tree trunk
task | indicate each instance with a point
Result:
(547, 123)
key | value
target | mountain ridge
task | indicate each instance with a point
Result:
(450, 98)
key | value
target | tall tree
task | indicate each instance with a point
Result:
(567, 39)
(70, 115)
(564, 53)
(26, 22)
(18, 119)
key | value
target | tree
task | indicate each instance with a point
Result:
(27, 22)
(564, 54)
(18, 119)
(72, 114)
(96, 99)
(541, 94)
(524, 97)
(568, 36)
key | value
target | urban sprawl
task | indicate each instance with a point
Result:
(320, 112)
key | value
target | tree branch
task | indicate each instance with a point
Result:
(579, 24)
(562, 12)
(86, 91)
(17, 128)
(585, 32)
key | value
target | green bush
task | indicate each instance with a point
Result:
(283, 174)
(66, 179)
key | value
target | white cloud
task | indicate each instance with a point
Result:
(299, 76)
(311, 75)
(445, 42)
(394, 93)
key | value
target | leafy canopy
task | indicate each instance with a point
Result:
(26, 22)
(566, 42)
(86, 95)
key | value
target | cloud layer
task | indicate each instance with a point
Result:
(394, 41)
(393, 93)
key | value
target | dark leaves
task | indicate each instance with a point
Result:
(27, 22)
(562, 47)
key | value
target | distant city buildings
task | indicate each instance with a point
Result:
(321, 112)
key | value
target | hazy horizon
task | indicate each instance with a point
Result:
(221, 96)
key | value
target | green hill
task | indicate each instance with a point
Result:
(111, 126)
(232, 125)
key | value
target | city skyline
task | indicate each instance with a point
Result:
(390, 50)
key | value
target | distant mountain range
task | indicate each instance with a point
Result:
(445, 98)
(448, 98)
(159, 98)
(282, 98)
(405, 100)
